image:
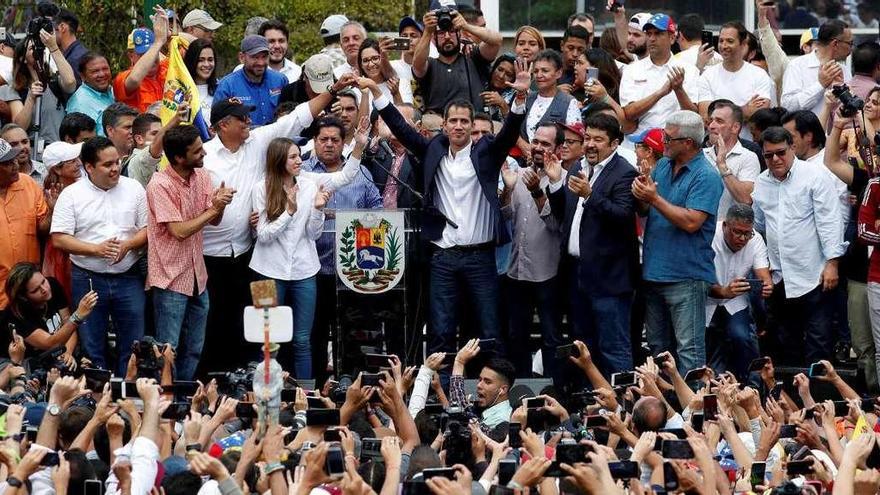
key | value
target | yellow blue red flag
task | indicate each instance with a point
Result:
(180, 87)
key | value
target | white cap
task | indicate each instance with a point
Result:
(200, 18)
(639, 20)
(60, 151)
(332, 26)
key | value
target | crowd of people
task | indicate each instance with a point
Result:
(703, 193)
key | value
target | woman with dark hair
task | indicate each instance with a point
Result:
(498, 95)
(202, 66)
(370, 64)
(290, 205)
(31, 79)
(39, 313)
(611, 44)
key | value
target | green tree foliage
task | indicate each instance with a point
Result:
(106, 23)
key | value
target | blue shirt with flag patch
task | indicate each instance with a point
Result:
(264, 96)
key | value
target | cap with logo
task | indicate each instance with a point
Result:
(229, 107)
(8, 152)
(575, 127)
(253, 44)
(332, 25)
(60, 151)
(410, 22)
(809, 35)
(639, 20)
(140, 40)
(661, 22)
(652, 138)
(319, 72)
(200, 18)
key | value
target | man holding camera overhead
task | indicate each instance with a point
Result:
(453, 75)
(808, 76)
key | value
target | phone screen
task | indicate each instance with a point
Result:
(322, 417)
(758, 472)
(710, 407)
(677, 449)
(623, 379)
(335, 464)
(818, 369)
(514, 440)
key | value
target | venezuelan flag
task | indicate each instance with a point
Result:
(180, 87)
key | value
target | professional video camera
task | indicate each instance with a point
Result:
(149, 365)
(41, 22)
(456, 436)
(235, 384)
(849, 103)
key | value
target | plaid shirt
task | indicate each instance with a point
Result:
(176, 265)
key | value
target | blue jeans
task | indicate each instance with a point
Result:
(731, 342)
(469, 274)
(675, 314)
(120, 297)
(602, 323)
(522, 301)
(301, 296)
(180, 321)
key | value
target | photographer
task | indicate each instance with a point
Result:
(453, 76)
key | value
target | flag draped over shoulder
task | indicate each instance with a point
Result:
(180, 87)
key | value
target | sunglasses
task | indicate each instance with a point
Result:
(768, 155)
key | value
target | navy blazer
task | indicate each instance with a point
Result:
(609, 249)
(487, 156)
(380, 162)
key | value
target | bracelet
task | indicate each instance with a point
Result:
(726, 174)
(514, 485)
(76, 319)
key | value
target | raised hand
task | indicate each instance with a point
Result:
(523, 76)
(322, 197)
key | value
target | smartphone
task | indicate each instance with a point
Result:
(670, 479)
(758, 364)
(755, 284)
(448, 473)
(804, 466)
(615, 5)
(710, 407)
(555, 470)
(176, 411)
(322, 417)
(370, 379)
(624, 470)
(185, 388)
(401, 44)
(841, 408)
(623, 379)
(32, 433)
(661, 358)
(678, 432)
(335, 464)
(697, 420)
(759, 470)
(776, 391)
(513, 438)
(506, 470)
(787, 431)
(371, 447)
(534, 402)
(50, 459)
(595, 421)
(245, 410)
(97, 378)
(695, 374)
(677, 449)
(121, 389)
(315, 403)
(376, 360)
(332, 435)
(593, 74)
(288, 395)
(706, 38)
(93, 487)
(566, 351)
(571, 453)
(818, 369)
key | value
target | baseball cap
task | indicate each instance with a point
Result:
(319, 72)
(8, 40)
(662, 22)
(253, 44)
(809, 35)
(8, 152)
(639, 20)
(652, 138)
(575, 127)
(140, 40)
(199, 17)
(332, 25)
(230, 106)
(409, 21)
(60, 151)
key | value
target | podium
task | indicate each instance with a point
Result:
(381, 320)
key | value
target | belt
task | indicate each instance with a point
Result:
(467, 248)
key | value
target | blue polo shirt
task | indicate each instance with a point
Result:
(91, 102)
(264, 95)
(670, 253)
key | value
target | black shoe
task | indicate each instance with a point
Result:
(842, 353)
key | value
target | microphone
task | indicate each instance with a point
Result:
(385, 146)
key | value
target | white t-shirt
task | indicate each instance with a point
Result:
(744, 165)
(642, 78)
(738, 87)
(205, 101)
(690, 56)
(539, 108)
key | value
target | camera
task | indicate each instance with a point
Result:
(444, 18)
(849, 103)
(235, 384)
(149, 366)
(42, 21)
(456, 436)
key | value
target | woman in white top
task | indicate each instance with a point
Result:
(291, 208)
(202, 66)
(370, 65)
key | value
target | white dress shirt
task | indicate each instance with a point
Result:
(94, 215)
(690, 56)
(744, 165)
(240, 171)
(461, 199)
(574, 238)
(642, 78)
(716, 82)
(285, 247)
(840, 187)
(730, 266)
(800, 219)
(800, 84)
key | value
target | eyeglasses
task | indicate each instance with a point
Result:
(371, 60)
(572, 142)
(850, 43)
(668, 139)
(743, 235)
(768, 155)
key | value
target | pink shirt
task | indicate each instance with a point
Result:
(176, 265)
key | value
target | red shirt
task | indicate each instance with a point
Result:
(175, 265)
(869, 213)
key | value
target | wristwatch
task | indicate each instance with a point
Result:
(14, 482)
(53, 409)
(332, 91)
(194, 446)
(538, 193)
